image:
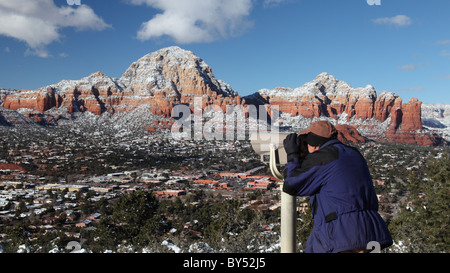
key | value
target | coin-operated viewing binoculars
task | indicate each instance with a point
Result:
(270, 148)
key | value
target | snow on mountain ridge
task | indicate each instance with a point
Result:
(436, 116)
(324, 85)
(162, 69)
(170, 76)
(97, 80)
(156, 71)
(435, 110)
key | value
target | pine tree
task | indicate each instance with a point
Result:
(134, 216)
(423, 225)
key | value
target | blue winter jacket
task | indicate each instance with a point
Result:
(343, 200)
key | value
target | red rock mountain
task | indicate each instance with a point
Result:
(173, 76)
(161, 79)
(384, 117)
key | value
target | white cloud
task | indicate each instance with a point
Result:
(443, 76)
(407, 67)
(399, 21)
(411, 67)
(411, 89)
(272, 3)
(39, 51)
(38, 22)
(190, 21)
(443, 42)
(444, 53)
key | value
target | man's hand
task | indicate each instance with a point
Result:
(292, 146)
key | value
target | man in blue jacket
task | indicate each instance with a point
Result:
(343, 200)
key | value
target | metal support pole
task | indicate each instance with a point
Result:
(288, 204)
(288, 224)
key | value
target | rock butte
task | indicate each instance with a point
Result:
(172, 76)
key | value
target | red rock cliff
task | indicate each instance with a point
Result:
(325, 96)
(172, 76)
(160, 79)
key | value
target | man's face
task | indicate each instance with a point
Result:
(312, 149)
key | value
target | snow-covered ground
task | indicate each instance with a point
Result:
(436, 117)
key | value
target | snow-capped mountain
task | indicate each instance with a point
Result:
(160, 80)
(383, 117)
(436, 117)
(171, 70)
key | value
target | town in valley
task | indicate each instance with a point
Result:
(53, 180)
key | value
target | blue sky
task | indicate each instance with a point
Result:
(402, 46)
